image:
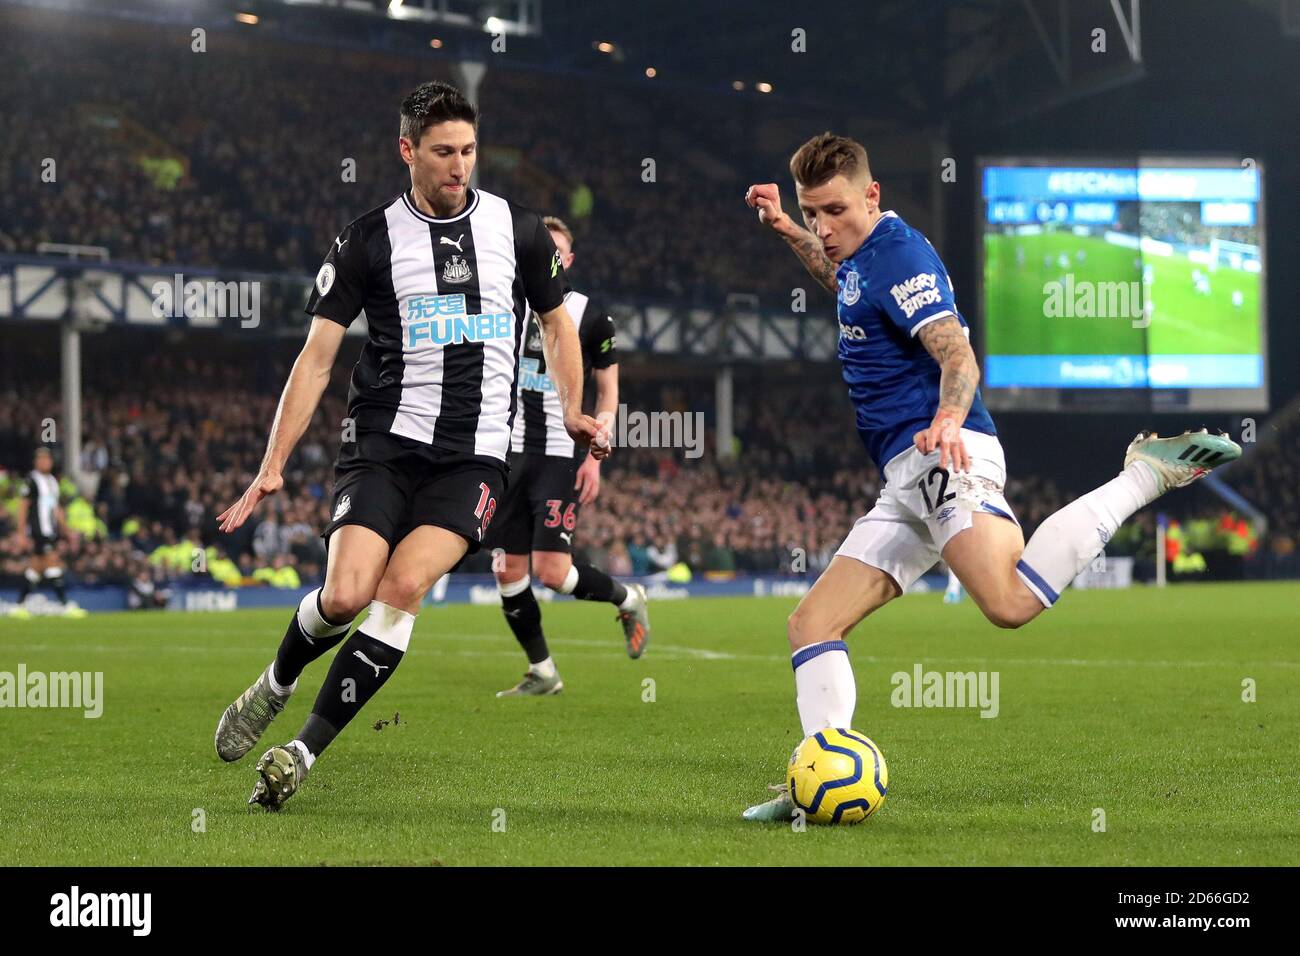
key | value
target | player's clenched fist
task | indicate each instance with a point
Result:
(585, 430)
(766, 198)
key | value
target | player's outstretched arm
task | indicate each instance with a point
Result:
(298, 401)
(563, 354)
(946, 341)
(766, 198)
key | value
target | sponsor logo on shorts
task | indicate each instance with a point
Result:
(343, 507)
(946, 513)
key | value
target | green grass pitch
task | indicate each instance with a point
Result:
(1183, 322)
(1127, 701)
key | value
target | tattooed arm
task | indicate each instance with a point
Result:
(767, 200)
(946, 341)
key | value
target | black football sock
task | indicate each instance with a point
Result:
(31, 578)
(54, 577)
(591, 584)
(524, 616)
(362, 665)
(309, 636)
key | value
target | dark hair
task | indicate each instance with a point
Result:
(824, 157)
(433, 103)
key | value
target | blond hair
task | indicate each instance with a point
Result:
(556, 224)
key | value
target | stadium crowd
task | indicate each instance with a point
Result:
(281, 151)
(289, 147)
(174, 436)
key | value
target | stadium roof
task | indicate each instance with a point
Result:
(951, 61)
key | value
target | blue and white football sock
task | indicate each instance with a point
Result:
(824, 685)
(1069, 540)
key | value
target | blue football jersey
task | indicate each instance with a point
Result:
(892, 286)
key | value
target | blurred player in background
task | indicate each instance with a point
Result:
(445, 274)
(912, 377)
(40, 523)
(954, 592)
(548, 487)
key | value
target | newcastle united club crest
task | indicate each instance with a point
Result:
(456, 270)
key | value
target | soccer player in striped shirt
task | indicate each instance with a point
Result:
(550, 481)
(445, 274)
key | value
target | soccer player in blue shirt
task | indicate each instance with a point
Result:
(913, 380)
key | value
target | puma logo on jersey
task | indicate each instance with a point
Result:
(341, 242)
(377, 667)
(444, 241)
(567, 536)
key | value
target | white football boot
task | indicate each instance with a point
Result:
(1180, 460)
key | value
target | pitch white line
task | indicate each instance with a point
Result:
(613, 648)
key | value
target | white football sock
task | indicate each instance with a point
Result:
(311, 620)
(570, 580)
(632, 600)
(544, 668)
(1069, 540)
(824, 686)
(276, 686)
(308, 757)
(515, 587)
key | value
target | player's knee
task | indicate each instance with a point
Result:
(1008, 615)
(552, 572)
(507, 577)
(343, 602)
(405, 588)
(509, 568)
(802, 627)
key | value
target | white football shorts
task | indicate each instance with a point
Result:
(922, 506)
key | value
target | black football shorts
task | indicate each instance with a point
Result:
(540, 509)
(393, 485)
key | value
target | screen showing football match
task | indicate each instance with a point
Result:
(1123, 286)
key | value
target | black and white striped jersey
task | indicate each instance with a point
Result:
(42, 493)
(446, 301)
(539, 423)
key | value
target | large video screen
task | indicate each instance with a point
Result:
(1123, 285)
